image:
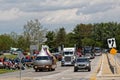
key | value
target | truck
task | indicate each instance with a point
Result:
(68, 56)
(44, 60)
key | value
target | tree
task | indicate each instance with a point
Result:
(70, 39)
(82, 31)
(33, 32)
(61, 37)
(5, 42)
(51, 39)
(21, 43)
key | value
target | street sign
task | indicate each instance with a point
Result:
(20, 55)
(33, 47)
(113, 51)
(111, 43)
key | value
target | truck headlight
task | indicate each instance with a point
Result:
(75, 64)
(87, 64)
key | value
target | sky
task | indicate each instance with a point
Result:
(53, 14)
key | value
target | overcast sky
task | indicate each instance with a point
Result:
(53, 14)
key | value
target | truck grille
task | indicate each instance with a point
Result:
(68, 59)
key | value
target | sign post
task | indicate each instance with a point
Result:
(20, 56)
(113, 51)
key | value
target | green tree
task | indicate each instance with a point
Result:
(5, 42)
(70, 39)
(51, 39)
(82, 31)
(61, 37)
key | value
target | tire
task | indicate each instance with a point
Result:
(75, 69)
(36, 70)
(89, 69)
(62, 65)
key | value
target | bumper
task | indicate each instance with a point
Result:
(67, 63)
(82, 67)
(42, 67)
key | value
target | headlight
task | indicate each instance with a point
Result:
(87, 64)
(75, 64)
(35, 66)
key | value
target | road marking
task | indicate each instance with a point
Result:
(95, 72)
(101, 67)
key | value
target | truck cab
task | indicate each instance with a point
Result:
(68, 56)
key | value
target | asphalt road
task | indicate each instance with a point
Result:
(61, 73)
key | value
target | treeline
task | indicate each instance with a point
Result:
(82, 35)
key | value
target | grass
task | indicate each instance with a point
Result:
(6, 71)
(8, 56)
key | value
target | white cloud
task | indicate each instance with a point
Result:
(11, 14)
(60, 11)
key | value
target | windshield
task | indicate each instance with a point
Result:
(97, 51)
(87, 51)
(43, 58)
(68, 53)
(82, 60)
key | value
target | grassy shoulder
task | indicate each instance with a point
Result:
(6, 71)
(8, 56)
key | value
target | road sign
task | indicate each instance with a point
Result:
(113, 51)
(33, 47)
(111, 43)
(20, 55)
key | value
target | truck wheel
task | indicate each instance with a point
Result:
(62, 65)
(75, 70)
(89, 69)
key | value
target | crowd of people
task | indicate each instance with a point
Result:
(16, 63)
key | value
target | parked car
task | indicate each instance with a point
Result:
(82, 63)
(1, 52)
(1, 63)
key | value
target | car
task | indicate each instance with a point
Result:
(82, 63)
(97, 51)
(1, 63)
(87, 52)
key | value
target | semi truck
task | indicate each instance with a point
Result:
(68, 56)
(44, 60)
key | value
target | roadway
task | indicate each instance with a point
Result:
(61, 73)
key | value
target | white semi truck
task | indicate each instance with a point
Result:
(68, 56)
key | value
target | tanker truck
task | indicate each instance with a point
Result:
(44, 60)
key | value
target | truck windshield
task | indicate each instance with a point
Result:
(68, 53)
(43, 58)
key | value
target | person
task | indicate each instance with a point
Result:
(79, 52)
